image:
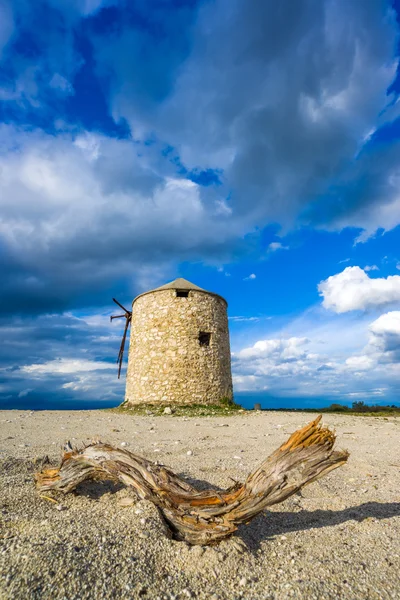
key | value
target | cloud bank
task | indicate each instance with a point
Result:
(353, 289)
(319, 366)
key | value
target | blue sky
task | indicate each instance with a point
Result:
(251, 147)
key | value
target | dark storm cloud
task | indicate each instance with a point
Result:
(366, 193)
(51, 359)
(150, 40)
(275, 97)
(278, 95)
(46, 46)
(263, 104)
(84, 215)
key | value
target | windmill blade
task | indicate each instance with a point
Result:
(128, 315)
(120, 305)
(122, 347)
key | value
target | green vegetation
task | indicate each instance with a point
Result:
(226, 408)
(357, 408)
(360, 408)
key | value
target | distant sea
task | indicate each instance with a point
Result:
(246, 400)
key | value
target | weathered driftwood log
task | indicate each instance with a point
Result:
(208, 516)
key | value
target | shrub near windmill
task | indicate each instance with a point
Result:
(179, 347)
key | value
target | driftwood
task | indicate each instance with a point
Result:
(208, 516)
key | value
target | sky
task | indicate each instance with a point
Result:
(250, 146)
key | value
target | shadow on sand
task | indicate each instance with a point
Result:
(270, 524)
(96, 489)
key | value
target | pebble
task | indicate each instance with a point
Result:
(221, 557)
(167, 410)
(243, 581)
(189, 453)
(126, 502)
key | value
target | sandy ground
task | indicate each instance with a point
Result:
(339, 539)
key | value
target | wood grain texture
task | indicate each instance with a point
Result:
(208, 516)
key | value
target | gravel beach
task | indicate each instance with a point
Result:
(339, 539)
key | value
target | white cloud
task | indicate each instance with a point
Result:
(60, 83)
(383, 348)
(88, 7)
(24, 392)
(371, 268)
(239, 319)
(250, 277)
(66, 365)
(284, 349)
(269, 363)
(222, 270)
(341, 357)
(385, 334)
(353, 289)
(358, 363)
(277, 246)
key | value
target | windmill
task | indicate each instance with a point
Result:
(128, 317)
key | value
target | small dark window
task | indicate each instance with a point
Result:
(182, 293)
(204, 338)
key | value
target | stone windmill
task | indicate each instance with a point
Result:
(179, 346)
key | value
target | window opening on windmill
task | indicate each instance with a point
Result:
(204, 338)
(182, 293)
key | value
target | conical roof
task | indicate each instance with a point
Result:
(179, 284)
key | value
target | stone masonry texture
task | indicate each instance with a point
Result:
(167, 361)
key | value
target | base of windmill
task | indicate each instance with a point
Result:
(224, 408)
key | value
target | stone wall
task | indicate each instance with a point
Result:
(167, 362)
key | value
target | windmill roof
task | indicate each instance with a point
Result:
(179, 284)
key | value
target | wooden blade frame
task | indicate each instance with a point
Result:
(128, 317)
